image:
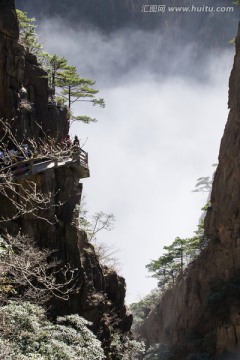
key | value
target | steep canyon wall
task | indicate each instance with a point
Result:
(201, 314)
(24, 101)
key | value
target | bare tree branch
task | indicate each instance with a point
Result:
(29, 273)
(24, 196)
(101, 221)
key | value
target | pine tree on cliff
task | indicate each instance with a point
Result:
(54, 66)
(178, 255)
(27, 33)
(74, 89)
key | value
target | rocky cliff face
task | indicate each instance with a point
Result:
(24, 98)
(23, 87)
(201, 313)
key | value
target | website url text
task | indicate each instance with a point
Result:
(186, 9)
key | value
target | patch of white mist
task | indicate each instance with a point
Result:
(159, 132)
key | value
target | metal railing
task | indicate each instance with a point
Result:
(30, 166)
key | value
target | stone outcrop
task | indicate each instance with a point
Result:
(201, 313)
(24, 97)
(24, 92)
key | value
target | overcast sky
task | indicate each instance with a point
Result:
(160, 132)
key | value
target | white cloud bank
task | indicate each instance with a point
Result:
(156, 136)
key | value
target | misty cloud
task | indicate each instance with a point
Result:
(128, 54)
(160, 131)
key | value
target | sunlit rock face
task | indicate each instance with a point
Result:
(24, 97)
(201, 313)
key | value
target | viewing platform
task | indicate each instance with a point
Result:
(75, 159)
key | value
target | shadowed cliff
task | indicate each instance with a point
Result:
(101, 292)
(200, 315)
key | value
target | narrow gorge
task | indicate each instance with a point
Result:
(40, 195)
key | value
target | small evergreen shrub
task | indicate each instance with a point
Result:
(123, 348)
(158, 352)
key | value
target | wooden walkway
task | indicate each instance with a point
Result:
(76, 159)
